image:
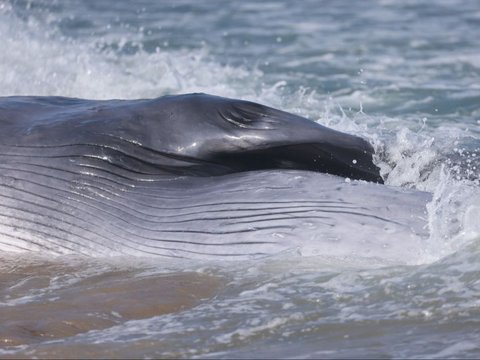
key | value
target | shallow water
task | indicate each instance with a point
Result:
(404, 75)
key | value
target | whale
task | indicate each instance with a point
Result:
(194, 176)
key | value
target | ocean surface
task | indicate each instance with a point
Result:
(405, 75)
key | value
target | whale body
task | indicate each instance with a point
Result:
(194, 176)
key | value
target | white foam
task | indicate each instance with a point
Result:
(39, 63)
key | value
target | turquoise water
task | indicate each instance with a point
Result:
(404, 75)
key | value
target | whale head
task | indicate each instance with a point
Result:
(192, 134)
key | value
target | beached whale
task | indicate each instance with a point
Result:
(193, 176)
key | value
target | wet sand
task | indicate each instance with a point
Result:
(44, 300)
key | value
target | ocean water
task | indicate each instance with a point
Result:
(403, 74)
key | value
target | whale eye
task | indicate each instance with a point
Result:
(246, 115)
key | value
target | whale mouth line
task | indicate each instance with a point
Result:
(307, 156)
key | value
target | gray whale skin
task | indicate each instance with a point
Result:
(192, 176)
